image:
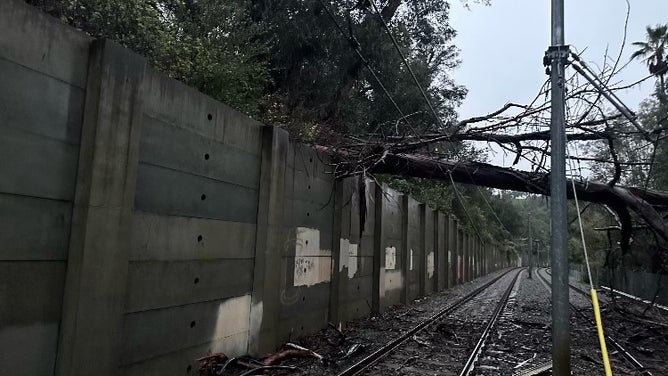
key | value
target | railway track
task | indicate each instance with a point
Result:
(626, 355)
(482, 295)
(663, 309)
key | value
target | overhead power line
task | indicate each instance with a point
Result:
(354, 44)
(410, 70)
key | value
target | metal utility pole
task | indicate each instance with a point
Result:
(558, 53)
(530, 243)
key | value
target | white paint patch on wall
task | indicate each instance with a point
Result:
(344, 246)
(390, 258)
(308, 243)
(232, 323)
(430, 264)
(348, 256)
(312, 264)
(394, 280)
(410, 259)
(255, 319)
(352, 260)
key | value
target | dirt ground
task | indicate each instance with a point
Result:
(521, 339)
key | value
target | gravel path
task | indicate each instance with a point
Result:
(520, 340)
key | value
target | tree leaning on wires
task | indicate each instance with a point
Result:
(287, 63)
(521, 130)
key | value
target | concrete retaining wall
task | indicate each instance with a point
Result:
(146, 224)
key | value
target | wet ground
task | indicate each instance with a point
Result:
(520, 340)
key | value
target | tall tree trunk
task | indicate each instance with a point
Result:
(348, 82)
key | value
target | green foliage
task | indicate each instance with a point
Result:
(318, 78)
(285, 61)
(494, 216)
(653, 49)
(211, 45)
(653, 52)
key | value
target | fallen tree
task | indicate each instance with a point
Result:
(646, 204)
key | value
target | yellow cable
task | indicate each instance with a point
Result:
(594, 298)
(601, 336)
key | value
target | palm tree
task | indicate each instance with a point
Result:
(652, 51)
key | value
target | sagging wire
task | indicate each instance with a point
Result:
(461, 202)
(408, 67)
(592, 290)
(354, 44)
(486, 202)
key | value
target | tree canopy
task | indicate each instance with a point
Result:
(369, 83)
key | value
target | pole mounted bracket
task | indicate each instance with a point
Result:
(555, 52)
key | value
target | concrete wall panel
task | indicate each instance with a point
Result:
(176, 103)
(308, 322)
(313, 215)
(183, 150)
(149, 334)
(440, 251)
(299, 300)
(34, 228)
(413, 249)
(161, 238)
(429, 256)
(309, 161)
(355, 309)
(30, 310)
(40, 104)
(41, 42)
(238, 130)
(38, 166)
(358, 288)
(165, 191)
(184, 361)
(312, 188)
(160, 284)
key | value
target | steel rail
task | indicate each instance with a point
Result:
(470, 362)
(362, 365)
(630, 358)
(633, 297)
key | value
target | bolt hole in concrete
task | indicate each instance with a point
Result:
(310, 159)
(308, 214)
(206, 156)
(209, 116)
(199, 238)
(192, 324)
(303, 298)
(196, 281)
(189, 369)
(309, 187)
(203, 197)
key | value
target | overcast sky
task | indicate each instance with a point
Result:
(502, 46)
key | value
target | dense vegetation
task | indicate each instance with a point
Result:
(311, 66)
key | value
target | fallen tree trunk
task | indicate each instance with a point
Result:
(622, 200)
